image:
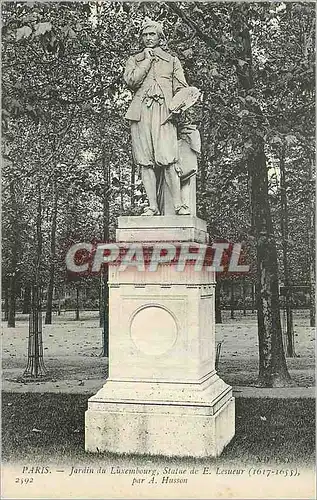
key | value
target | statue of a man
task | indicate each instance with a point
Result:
(155, 76)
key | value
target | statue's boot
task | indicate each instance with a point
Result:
(182, 210)
(151, 211)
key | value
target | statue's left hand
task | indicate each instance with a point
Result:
(149, 53)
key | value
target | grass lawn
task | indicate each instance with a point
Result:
(50, 427)
(72, 351)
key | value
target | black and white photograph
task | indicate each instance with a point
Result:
(158, 249)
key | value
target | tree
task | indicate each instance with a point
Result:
(64, 102)
(272, 366)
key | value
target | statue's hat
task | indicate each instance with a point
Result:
(149, 23)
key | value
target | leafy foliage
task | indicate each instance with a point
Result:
(64, 101)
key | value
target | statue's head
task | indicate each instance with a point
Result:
(151, 33)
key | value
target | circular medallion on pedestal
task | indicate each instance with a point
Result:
(153, 330)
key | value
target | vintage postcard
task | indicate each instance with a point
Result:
(158, 250)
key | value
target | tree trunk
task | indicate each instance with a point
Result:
(6, 302)
(101, 313)
(12, 300)
(39, 236)
(253, 297)
(218, 302)
(59, 304)
(77, 304)
(232, 300)
(121, 190)
(202, 171)
(104, 272)
(311, 248)
(243, 297)
(27, 300)
(49, 297)
(272, 363)
(132, 193)
(312, 295)
(50, 288)
(290, 340)
(35, 366)
(14, 258)
(105, 323)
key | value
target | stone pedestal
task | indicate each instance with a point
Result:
(163, 395)
(162, 228)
